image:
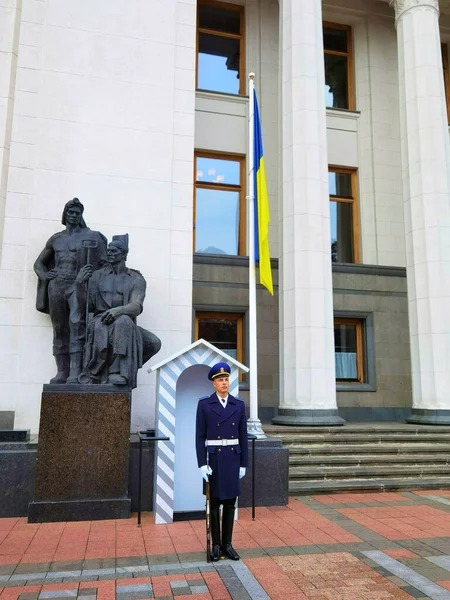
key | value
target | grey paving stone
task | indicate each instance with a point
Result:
(131, 561)
(59, 594)
(64, 574)
(251, 585)
(29, 596)
(163, 597)
(252, 552)
(98, 572)
(174, 570)
(80, 579)
(138, 587)
(194, 582)
(181, 591)
(87, 592)
(435, 592)
(192, 557)
(7, 569)
(44, 581)
(332, 548)
(412, 591)
(199, 589)
(307, 550)
(72, 565)
(397, 581)
(143, 569)
(178, 584)
(99, 563)
(28, 576)
(158, 559)
(279, 551)
(32, 568)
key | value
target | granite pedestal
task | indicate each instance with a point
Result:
(83, 454)
(271, 474)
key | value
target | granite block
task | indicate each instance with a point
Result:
(14, 435)
(83, 456)
(6, 419)
(17, 473)
(271, 474)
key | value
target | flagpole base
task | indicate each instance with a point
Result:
(254, 427)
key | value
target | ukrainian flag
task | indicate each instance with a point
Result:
(262, 213)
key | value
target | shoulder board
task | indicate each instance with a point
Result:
(135, 271)
(203, 398)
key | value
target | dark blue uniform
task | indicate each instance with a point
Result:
(217, 423)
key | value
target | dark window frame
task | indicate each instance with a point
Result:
(240, 37)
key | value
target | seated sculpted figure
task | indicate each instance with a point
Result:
(115, 346)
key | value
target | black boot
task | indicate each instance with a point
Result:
(62, 364)
(215, 534)
(227, 533)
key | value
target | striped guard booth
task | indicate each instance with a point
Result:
(168, 372)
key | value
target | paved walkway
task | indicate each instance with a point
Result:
(341, 547)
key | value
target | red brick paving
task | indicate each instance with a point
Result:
(329, 576)
(345, 498)
(402, 522)
(338, 576)
(294, 525)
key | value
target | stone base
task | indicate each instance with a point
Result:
(423, 416)
(83, 454)
(291, 416)
(271, 474)
(14, 435)
(79, 510)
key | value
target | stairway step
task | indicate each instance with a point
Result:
(366, 459)
(358, 438)
(386, 471)
(279, 430)
(379, 485)
(327, 449)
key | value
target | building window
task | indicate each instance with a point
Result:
(220, 47)
(343, 215)
(339, 86)
(348, 350)
(444, 49)
(223, 330)
(219, 205)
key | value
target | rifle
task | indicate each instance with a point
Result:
(208, 518)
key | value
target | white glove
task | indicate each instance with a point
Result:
(242, 471)
(206, 470)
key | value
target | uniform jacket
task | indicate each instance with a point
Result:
(215, 423)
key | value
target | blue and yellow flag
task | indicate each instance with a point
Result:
(262, 212)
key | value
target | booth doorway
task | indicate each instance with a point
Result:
(189, 501)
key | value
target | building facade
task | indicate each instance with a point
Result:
(140, 109)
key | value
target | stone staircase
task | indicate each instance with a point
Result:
(365, 457)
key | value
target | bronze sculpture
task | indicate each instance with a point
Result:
(57, 267)
(115, 346)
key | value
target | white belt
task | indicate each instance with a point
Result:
(222, 442)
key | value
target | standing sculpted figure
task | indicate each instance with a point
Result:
(57, 267)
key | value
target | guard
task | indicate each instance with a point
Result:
(222, 455)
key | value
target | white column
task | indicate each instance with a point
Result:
(426, 195)
(307, 370)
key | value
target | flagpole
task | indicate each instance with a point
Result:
(253, 423)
